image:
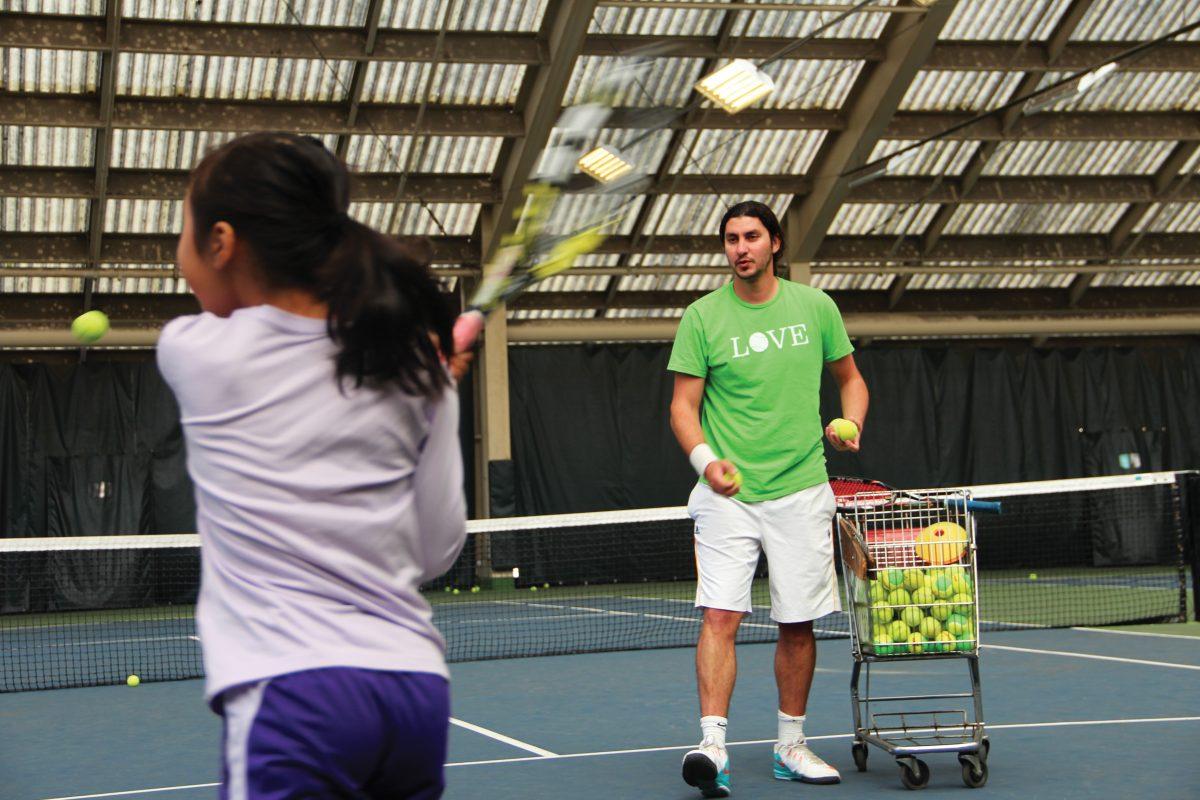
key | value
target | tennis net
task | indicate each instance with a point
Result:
(84, 611)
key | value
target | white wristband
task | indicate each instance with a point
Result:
(701, 456)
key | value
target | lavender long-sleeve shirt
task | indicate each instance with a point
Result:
(320, 512)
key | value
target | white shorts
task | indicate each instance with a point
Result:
(794, 531)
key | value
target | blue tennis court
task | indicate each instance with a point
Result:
(617, 724)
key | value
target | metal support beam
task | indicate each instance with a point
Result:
(492, 381)
(358, 79)
(62, 32)
(872, 102)
(17, 108)
(859, 326)
(875, 253)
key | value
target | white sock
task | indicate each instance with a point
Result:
(791, 729)
(712, 730)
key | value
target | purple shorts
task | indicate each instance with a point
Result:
(336, 733)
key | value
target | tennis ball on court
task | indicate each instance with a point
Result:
(474, 590)
(958, 624)
(941, 543)
(941, 610)
(899, 631)
(533, 588)
(846, 430)
(899, 597)
(133, 680)
(930, 628)
(1033, 576)
(89, 326)
(912, 617)
(545, 586)
(924, 597)
(445, 588)
(454, 591)
(914, 579)
(892, 578)
(877, 593)
(916, 642)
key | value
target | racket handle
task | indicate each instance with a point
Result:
(467, 328)
(975, 506)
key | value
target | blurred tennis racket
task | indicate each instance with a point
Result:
(539, 247)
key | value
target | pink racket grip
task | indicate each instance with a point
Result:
(467, 328)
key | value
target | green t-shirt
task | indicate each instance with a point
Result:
(762, 389)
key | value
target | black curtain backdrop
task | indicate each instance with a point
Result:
(590, 422)
(96, 448)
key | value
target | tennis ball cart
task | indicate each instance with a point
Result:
(911, 589)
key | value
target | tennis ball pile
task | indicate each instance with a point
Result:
(922, 610)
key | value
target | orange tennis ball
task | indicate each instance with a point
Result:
(941, 543)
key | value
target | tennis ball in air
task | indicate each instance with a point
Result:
(912, 617)
(958, 624)
(846, 430)
(90, 326)
(899, 631)
(916, 643)
(877, 593)
(924, 597)
(914, 579)
(892, 578)
(930, 628)
(133, 680)
(941, 543)
(941, 610)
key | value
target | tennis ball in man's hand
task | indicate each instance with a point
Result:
(133, 680)
(735, 478)
(846, 430)
(90, 326)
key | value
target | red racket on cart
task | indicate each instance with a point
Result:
(878, 493)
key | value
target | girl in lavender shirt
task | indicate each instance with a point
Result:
(321, 429)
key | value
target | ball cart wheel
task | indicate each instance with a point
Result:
(974, 771)
(859, 751)
(915, 776)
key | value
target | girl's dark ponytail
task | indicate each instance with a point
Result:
(380, 294)
(286, 196)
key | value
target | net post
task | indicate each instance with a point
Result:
(1189, 505)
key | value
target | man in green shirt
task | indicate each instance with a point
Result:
(747, 361)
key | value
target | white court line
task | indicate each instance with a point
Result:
(1140, 633)
(1093, 656)
(136, 791)
(600, 753)
(1015, 725)
(500, 737)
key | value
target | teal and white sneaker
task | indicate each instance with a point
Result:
(707, 768)
(796, 762)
